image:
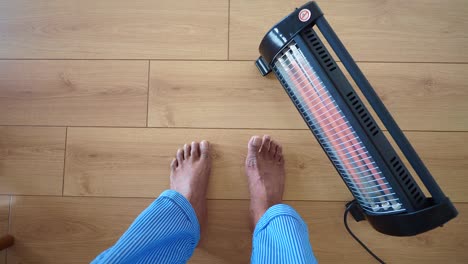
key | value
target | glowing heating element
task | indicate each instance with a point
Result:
(336, 135)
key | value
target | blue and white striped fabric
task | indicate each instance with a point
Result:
(281, 236)
(168, 232)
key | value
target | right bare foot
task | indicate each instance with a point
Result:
(264, 167)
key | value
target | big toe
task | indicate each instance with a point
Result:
(205, 149)
(254, 145)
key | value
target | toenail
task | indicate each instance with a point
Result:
(204, 144)
(256, 141)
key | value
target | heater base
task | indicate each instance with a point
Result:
(410, 224)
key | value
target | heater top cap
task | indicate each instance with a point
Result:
(280, 34)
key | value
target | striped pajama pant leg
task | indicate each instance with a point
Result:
(281, 236)
(168, 232)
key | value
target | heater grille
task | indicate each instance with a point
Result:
(334, 132)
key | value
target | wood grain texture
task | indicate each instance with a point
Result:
(31, 160)
(4, 216)
(422, 96)
(234, 95)
(217, 94)
(402, 31)
(74, 230)
(94, 224)
(446, 156)
(143, 29)
(135, 162)
(79, 93)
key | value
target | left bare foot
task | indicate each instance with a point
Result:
(190, 171)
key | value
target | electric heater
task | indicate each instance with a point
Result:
(385, 191)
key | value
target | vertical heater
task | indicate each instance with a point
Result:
(386, 192)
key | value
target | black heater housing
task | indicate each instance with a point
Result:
(386, 192)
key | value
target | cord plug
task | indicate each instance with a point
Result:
(355, 210)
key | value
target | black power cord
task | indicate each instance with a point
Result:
(349, 207)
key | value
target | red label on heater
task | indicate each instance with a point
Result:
(304, 15)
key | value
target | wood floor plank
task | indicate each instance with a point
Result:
(234, 95)
(78, 93)
(85, 29)
(135, 162)
(446, 156)
(4, 214)
(422, 96)
(31, 160)
(371, 30)
(217, 94)
(73, 230)
(94, 224)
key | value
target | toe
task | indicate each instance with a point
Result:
(187, 149)
(265, 144)
(174, 164)
(273, 146)
(180, 156)
(195, 150)
(254, 144)
(205, 149)
(279, 153)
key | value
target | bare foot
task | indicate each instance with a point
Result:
(190, 171)
(264, 167)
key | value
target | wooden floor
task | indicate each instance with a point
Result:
(96, 96)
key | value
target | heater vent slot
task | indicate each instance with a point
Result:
(319, 50)
(362, 114)
(407, 181)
